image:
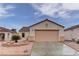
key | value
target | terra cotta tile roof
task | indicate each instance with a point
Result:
(72, 27)
(26, 29)
(47, 20)
(2, 29)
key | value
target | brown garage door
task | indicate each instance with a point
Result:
(46, 35)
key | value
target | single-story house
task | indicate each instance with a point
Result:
(72, 33)
(45, 30)
(5, 34)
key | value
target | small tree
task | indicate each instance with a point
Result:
(15, 38)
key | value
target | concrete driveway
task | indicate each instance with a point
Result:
(52, 49)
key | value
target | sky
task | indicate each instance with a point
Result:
(17, 15)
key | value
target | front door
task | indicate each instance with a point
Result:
(2, 36)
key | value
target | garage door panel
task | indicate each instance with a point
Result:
(47, 35)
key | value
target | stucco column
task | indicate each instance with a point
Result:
(7, 36)
(61, 35)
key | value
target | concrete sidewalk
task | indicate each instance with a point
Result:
(73, 45)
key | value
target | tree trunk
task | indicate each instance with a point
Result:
(16, 41)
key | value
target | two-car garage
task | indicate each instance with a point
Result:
(47, 35)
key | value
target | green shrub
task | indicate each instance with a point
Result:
(15, 38)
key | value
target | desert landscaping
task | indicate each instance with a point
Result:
(23, 50)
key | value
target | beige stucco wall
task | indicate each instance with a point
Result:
(76, 33)
(7, 36)
(51, 26)
(26, 35)
(70, 34)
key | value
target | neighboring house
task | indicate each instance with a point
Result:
(72, 33)
(5, 34)
(45, 30)
(24, 33)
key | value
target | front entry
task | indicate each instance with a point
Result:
(47, 35)
(2, 36)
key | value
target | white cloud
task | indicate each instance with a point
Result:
(46, 9)
(4, 10)
(71, 6)
(52, 9)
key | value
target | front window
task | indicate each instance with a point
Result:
(23, 34)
